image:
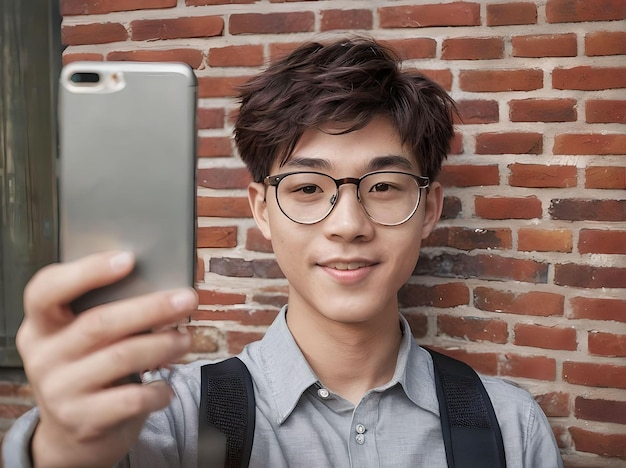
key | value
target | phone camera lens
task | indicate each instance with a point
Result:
(85, 77)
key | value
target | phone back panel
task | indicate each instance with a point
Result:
(127, 171)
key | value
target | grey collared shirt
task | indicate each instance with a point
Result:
(299, 423)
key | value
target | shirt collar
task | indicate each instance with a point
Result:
(289, 374)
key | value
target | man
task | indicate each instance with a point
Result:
(344, 149)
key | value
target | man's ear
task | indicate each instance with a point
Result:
(256, 198)
(434, 205)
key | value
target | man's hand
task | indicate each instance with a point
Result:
(72, 362)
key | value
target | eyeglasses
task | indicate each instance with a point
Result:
(389, 198)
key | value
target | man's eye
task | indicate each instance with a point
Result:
(381, 187)
(309, 189)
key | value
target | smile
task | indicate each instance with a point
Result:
(347, 266)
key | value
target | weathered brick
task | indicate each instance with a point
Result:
(473, 328)
(539, 336)
(545, 45)
(420, 16)
(477, 111)
(595, 308)
(605, 111)
(98, 7)
(554, 404)
(540, 176)
(511, 13)
(413, 48)
(578, 209)
(534, 303)
(452, 207)
(346, 19)
(216, 2)
(472, 48)
(469, 239)
(572, 11)
(272, 23)
(587, 78)
(440, 295)
(500, 80)
(214, 147)
(509, 143)
(237, 340)
(191, 57)
(544, 240)
(610, 445)
(605, 177)
(594, 375)
(418, 323)
(203, 339)
(606, 344)
(223, 236)
(485, 363)
(210, 117)
(176, 28)
(587, 276)
(468, 176)
(602, 241)
(600, 410)
(236, 56)
(199, 269)
(219, 86)
(589, 144)
(82, 57)
(530, 367)
(507, 208)
(256, 242)
(223, 207)
(95, 33)
(543, 110)
(605, 43)
(442, 77)
(223, 178)
(236, 267)
(254, 317)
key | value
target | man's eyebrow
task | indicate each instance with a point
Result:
(385, 162)
(308, 163)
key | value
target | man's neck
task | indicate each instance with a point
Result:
(349, 359)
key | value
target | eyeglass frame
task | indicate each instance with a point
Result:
(274, 180)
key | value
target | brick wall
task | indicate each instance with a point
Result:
(525, 277)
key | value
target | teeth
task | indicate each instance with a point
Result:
(348, 266)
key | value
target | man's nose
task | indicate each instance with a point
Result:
(348, 220)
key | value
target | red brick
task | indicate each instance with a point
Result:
(96, 33)
(203, 339)
(442, 77)
(606, 344)
(534, 303)
(545, 337)
(223, 207)
(602, 241)
(216, 237)
(577, 209)
(600, 410)
(216, 2)
(468, 176)
(589, 144)
(507, 207)
(252, 317)
(221, 178)
(594, 375)
(544, 240)
(469, 239)
(540, 176)
(237, 340)
(554, 404)
(16, 390)
(420, 16)
(444, 296)
(530, 367)
(587, 276)
(236, 56)
(477, 111)
(482, 266)
(191, 57)
(605, 111)
(452, 207)
(272, 23)
(418, 324)
(256, 242)
(219, 86)
(511, 13)
(177, 28)
(605, 43)
(82, 57)
(13, 410)
(543, 110)
(605, 177)
(281, 49)
(472, 48)
(199, 269)
(210, 297)
(545, 45)
(214, 147)
(210, 117)
(485, 363)
(509, 143)
(413, 48)
(586, 78)
(610, 445)
(346, 19)
(97, 7)
(500, 80)
(473, 328)
(598, 309)
(572, 11)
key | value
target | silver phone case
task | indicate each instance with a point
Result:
(127, 172)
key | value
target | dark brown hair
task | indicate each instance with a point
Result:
(348, 83)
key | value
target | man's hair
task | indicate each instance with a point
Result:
(344, 84)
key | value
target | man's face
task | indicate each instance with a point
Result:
(346, 268)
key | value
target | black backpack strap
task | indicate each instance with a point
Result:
(471, 433)
(227, 415)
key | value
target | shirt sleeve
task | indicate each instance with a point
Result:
(16, 443)
(541, 449)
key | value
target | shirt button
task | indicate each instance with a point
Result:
(360, 428)
(360, 439)
(323, 393)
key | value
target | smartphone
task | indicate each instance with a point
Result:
(126, 171)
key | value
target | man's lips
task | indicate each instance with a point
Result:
(344, 265)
